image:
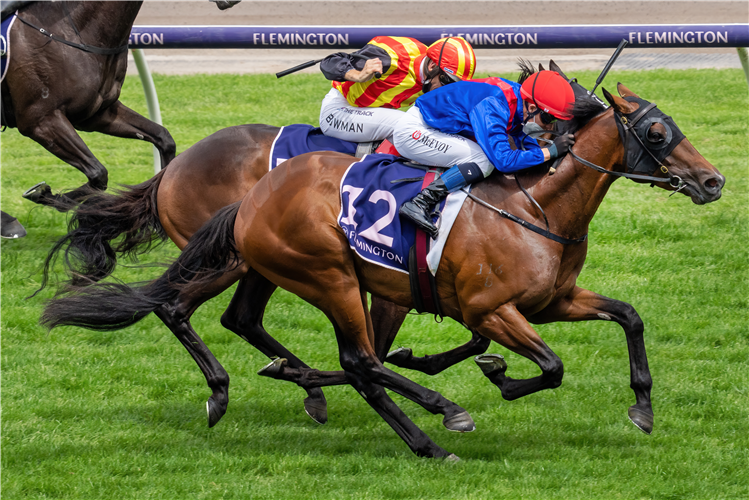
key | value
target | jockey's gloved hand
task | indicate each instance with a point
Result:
(561, 145)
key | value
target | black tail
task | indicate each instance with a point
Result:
(89, 253)
(210, 253)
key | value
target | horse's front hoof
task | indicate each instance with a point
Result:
(215, 411)
(274, 368)
(12, 229)
(462, 422)
(317, 409)
(37, 192)
(491, 363)
(399, 356)
(452, 458)
(642, 419)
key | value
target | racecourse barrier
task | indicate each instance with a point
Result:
(481, 37)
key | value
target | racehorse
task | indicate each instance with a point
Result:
(214, 173)
(69, 60)
(285, 229)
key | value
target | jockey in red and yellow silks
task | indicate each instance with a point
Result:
(389, 72)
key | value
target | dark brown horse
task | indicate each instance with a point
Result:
(300, 247)
(69, 60)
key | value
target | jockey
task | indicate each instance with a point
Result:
(389, 72)
(435, 131)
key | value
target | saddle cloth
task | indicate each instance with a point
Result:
(369, 211)
(295, 140)
(5, 44)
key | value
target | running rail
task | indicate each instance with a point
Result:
(597, 36)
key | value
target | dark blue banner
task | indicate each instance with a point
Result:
(484, 37)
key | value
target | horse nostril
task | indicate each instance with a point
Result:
(714, 184)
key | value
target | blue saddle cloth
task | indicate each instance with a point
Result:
(369, 209)
(295, 140)
(5, 44)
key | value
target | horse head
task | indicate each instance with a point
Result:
(654, 145)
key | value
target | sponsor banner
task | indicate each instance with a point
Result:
(498, 37)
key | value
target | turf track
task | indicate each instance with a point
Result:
(121, 415)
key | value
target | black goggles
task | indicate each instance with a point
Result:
(546, 118)
(446, 79)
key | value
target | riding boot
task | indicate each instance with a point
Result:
(418, 209)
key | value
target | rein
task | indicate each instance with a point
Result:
(80, 46)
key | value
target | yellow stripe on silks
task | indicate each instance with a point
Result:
(396, 88)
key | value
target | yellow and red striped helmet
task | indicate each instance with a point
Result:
(454, 56)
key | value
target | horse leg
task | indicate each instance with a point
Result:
(10, 227)
(387, 318)
(176, 314)
(56, 134)
(120, 121)
(244, 316)
(432, 364)
(508, 327)
(365, 372)
(584, 305)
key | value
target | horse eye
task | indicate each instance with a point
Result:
(655, 136)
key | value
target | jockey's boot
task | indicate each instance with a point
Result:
(455, 178)
(418, 209)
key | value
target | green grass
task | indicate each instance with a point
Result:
(121, 414)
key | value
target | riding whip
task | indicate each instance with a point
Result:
(312, 63)
(606, 69)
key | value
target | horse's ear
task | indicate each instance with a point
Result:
(540, 67)
(624, 91)
(554, 67)
(618, 103)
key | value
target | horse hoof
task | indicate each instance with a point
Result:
(274, 368)
(12, 229)
(36, 192)
(453, 458)
(462, 422)
(317, 409)
(215, 412)
(642, 419)
(399, 356)
(491, 363)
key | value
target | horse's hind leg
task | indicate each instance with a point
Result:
(120, 121)
(584, 305)
(244, 316)
(56, 134)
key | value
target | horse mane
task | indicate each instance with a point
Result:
(526, 69)
(585, 109)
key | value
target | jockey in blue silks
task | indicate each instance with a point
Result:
(441, 128)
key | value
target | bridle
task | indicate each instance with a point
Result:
(632, 126)
(629, 125)
(81, 46)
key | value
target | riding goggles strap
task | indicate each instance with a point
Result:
(80, 46)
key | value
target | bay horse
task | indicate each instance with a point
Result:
(69, 60)
(212, 174)
(299, 246)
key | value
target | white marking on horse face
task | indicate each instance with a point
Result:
(139, 136)
(604, 316)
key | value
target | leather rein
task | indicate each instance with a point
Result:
(80, 46)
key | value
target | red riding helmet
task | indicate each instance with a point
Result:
(550, 92)
(454, 56)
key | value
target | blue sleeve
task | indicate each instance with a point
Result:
(489, 120)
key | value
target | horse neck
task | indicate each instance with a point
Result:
(572, 195)
(109, 23)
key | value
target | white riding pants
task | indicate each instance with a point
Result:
(341, 120)
(421, 143)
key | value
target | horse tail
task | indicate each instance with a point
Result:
(210, 253)
(88, 248)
